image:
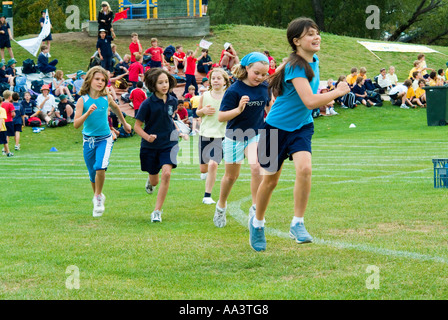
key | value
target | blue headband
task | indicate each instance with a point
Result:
(252, 58)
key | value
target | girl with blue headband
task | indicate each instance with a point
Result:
(289, 127)
(242, 106)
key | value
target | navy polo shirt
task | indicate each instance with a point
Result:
(158, 119)
(105, 46)
(28, 107)
(253, 115)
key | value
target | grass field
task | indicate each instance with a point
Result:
(372, 207)
(372, 204)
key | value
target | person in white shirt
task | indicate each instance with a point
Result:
(392, 77)
(45, 101)
(383, 81)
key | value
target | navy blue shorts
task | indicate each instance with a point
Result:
(152, 160)
(155, 64)
(18, 127)
(276, 145)
(5, 43)
(210, 149)
(9, 129)
(3, 137)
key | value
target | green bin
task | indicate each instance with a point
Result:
(7, 8)
(437, 105)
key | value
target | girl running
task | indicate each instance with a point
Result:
(243, 107)
(289, 128)
(212, 131)
(160, 135)
(92, 112)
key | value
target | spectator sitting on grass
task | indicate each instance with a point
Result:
(398, 95)
(383, 80)
(420, 94)
(66, 108)
(351, 78)
(361, 93)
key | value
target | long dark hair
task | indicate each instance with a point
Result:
(295, 30)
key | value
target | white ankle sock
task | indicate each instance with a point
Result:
(296, 220)
(257, 223)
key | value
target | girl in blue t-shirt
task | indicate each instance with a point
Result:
(159, 146)
(92, 113)
(243, 107)
(289, 128)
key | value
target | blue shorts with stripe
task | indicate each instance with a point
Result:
(97, 151)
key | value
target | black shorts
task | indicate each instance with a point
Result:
(3, 137)
(152, 160)
(204, 2)
(210, 149)
(276, 145)
(5, 43)
(18, 127)
(9, 129)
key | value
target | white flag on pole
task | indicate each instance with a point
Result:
(33, 45)
(204, 44)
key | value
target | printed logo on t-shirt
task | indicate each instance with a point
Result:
(170, 110)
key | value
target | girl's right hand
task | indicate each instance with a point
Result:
(209, 110)
(244, 100)
(343, 88)
(91, 109)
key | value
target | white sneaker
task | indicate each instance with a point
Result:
(219, 219)
(327, 111)
(17, 147)
(98, 205)
(208, 200)
(403, 106)
(332, 112)
(204, 176)
(156, 216)
(149, 188)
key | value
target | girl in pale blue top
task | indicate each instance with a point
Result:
(92, 113)
(289, 127)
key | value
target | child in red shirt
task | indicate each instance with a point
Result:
(135, 47)
(137, 97)
(190, 71)
(156, 54)
(10, 114)
(136, 70)
(179, 58)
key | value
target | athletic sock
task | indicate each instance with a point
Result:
(296, 220)
(257, 223)
(207, 195)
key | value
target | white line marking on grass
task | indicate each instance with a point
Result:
(234, 208)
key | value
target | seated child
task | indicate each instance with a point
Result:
(361, 93)
(363, 73)
(179, 58)
(204, 86)
(28, 105)
(434, 80)
(416, 67)
(383, 80)
(420, 94)
(351, 78)
(398, 94)
(66, 108)
(136, 70)
(43, 65)
(392, 77)
(182, 114)
(329, 107)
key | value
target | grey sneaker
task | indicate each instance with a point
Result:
(257, 239)
(156, 216)
(219, 219)
(298, 232)
(149, 188)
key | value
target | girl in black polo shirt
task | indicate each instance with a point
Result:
(160, 135)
